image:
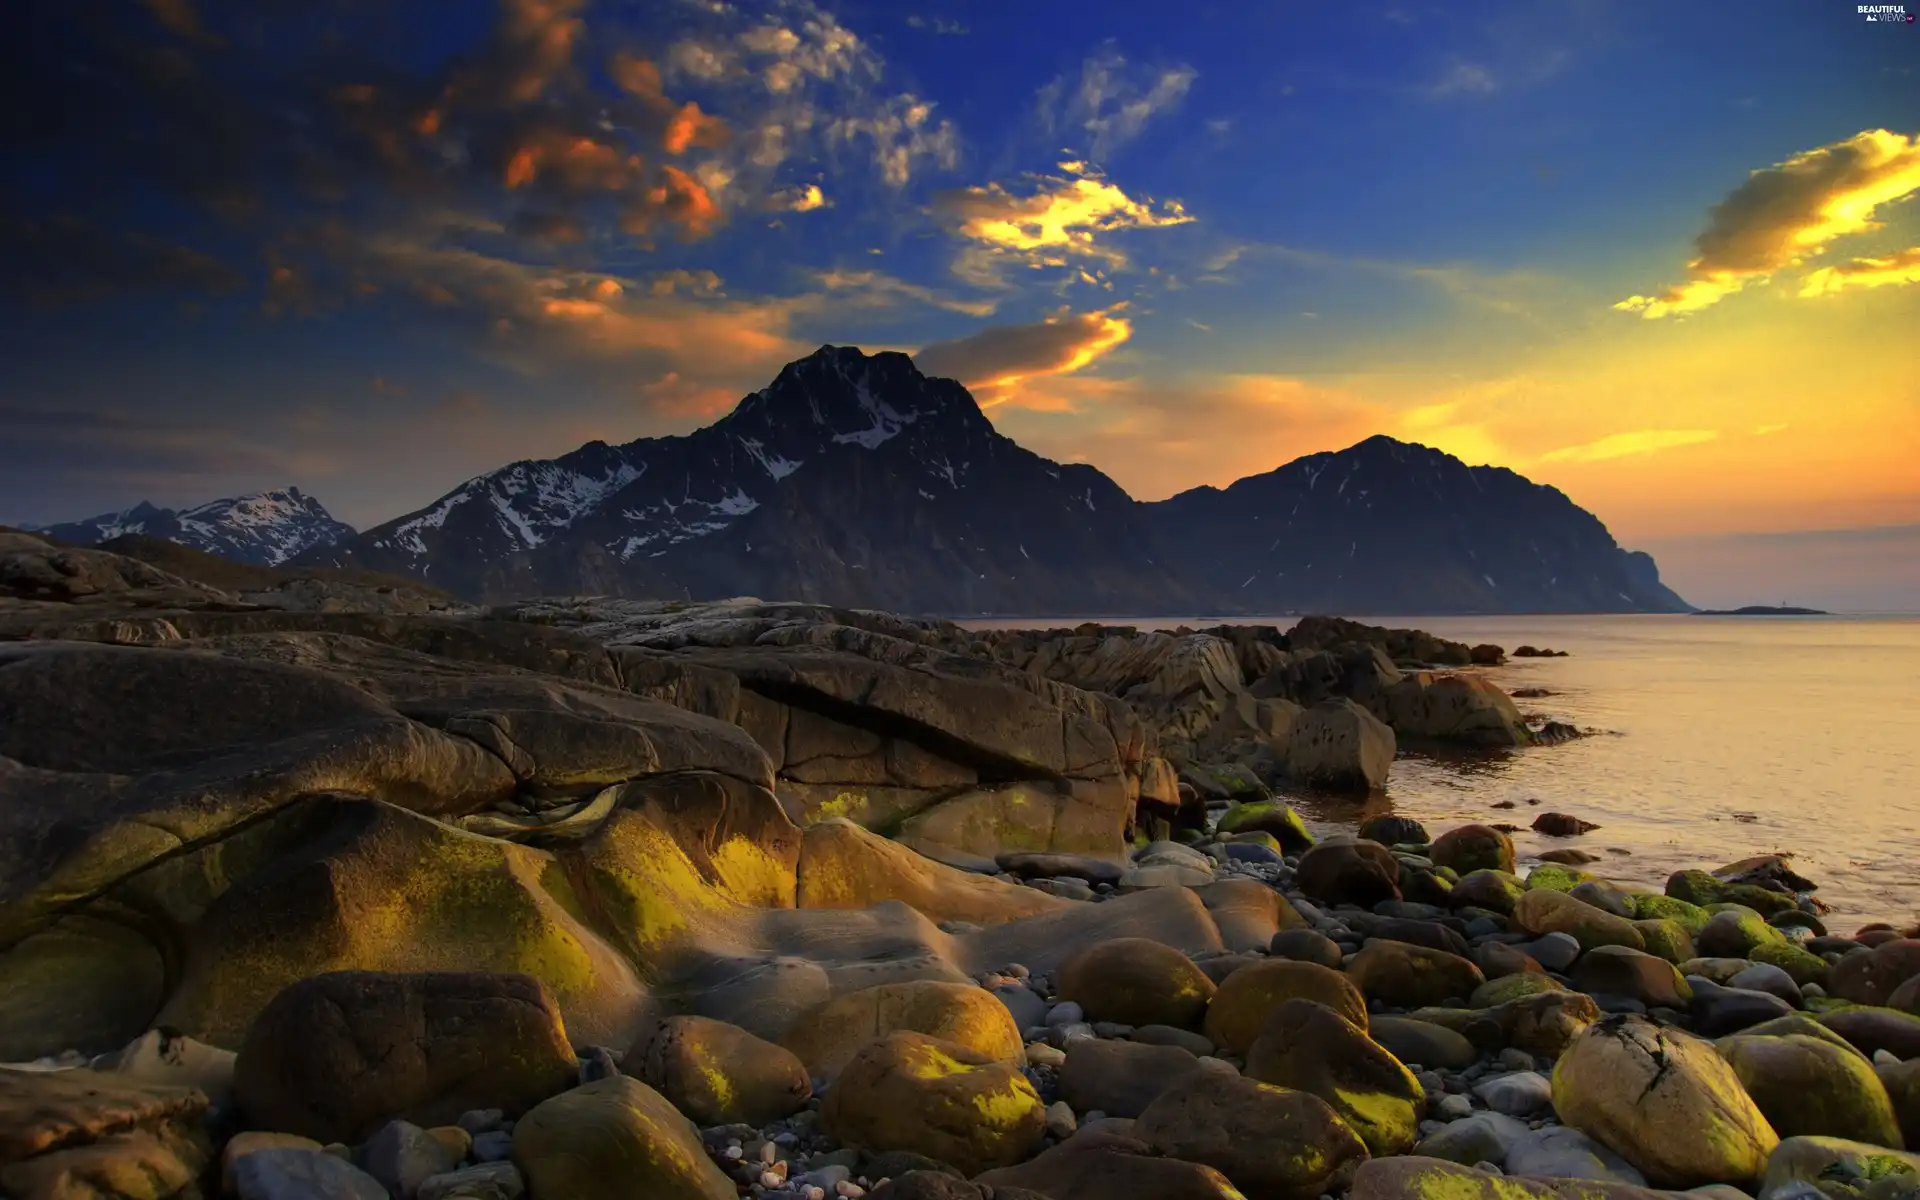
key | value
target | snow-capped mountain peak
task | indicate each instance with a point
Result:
(266, 528)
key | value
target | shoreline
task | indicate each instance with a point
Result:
(786, 900)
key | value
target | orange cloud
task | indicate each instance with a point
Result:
(676, 199)
(679, 127)
(1626, 445)
(1899, 268)
(1063, 218)
(1785, 213)
(995, 361)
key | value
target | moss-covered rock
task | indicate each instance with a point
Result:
(1548, 911)
(1873, 977)
(1554, 877)
(1695, 887)
(826, 1038)
(719, 1074)
(1665, 1102)
(1807, 1085)
(1272, 817)
(1801, 964)
(1270, 1141)
(1310, 1048)
(1473, 848)
(1619, 971)
(1495, 891)
(1690, 917)
(1135, 981)
(615, 1139)
(933, 1097)
(1841, 1169)
(1512, 987)
(1736, 932)
(1665, 938)
(1249, 996)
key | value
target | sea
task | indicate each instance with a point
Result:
(1712, 739)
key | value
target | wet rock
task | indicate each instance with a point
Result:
(1664, 1101)
(719, 1074)
(1391, 830)
(1411, 976)
(1902, 1083)
(1496, 992)
(1666, 938)
(1605, 896)
(1554, 951)
(1310, 1048)
(1039, 864)
(1765, 977)
(336, 1056)
(1135, 981)
(1250, 995)
(1496, 891)
(1499, 959)
(1345, 871)
(1339, 746)
(1735, 933)
(1555, 824)
(1806, 1085)
(1167, 1035)
(1473, 848)
(485, 1181)
(1269, 1141)
(1619, 971)
(614, 1139)
(78, 1133)
(1271, 817)
(913, 1092)
(1431, 934)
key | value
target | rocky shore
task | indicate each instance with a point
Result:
(331, 889)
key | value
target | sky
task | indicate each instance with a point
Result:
(1664, 257)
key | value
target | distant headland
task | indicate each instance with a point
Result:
(1763, 610)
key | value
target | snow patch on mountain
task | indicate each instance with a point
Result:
(264, 528)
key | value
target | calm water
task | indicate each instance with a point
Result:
(1725, 737)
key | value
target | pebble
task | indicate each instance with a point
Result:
(1065, 1013)
(1065, 1035)
(481, 1120)
(1514, 1059)
(1454, 1108)
(1040, 1054)
(1519, 1094)
(1061, 1122)
(1554, 951)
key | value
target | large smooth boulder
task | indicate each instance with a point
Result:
(1472, 848)
(335, 1057)
(1494, 890)
(1310, 1048)
(1543, 910)
(828, 1037)
(719, 1074)
(1349, 871)
(1135, 981)
(1807, 1085)
(1902, 1082)
(1420, 1178)
(1454, 708)
(1339, 746)
(1874, 1029)
(1095, 1166)
(932, 1097)
(615, 1139)
(1270, 1141)
(1118, 1077)
(1664, 1101)
(842, 865)
(1272, 817)
(1409, 976)
(1422, 1042)
(1250, 995)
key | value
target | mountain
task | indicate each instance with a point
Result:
(266, 528)
(1390, 527)
(856, 480)
(850, 478)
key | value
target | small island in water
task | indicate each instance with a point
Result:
(1763, 610)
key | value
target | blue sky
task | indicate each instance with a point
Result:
(1659, 255)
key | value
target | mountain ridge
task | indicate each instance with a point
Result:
(857, 480)
(260, 528)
